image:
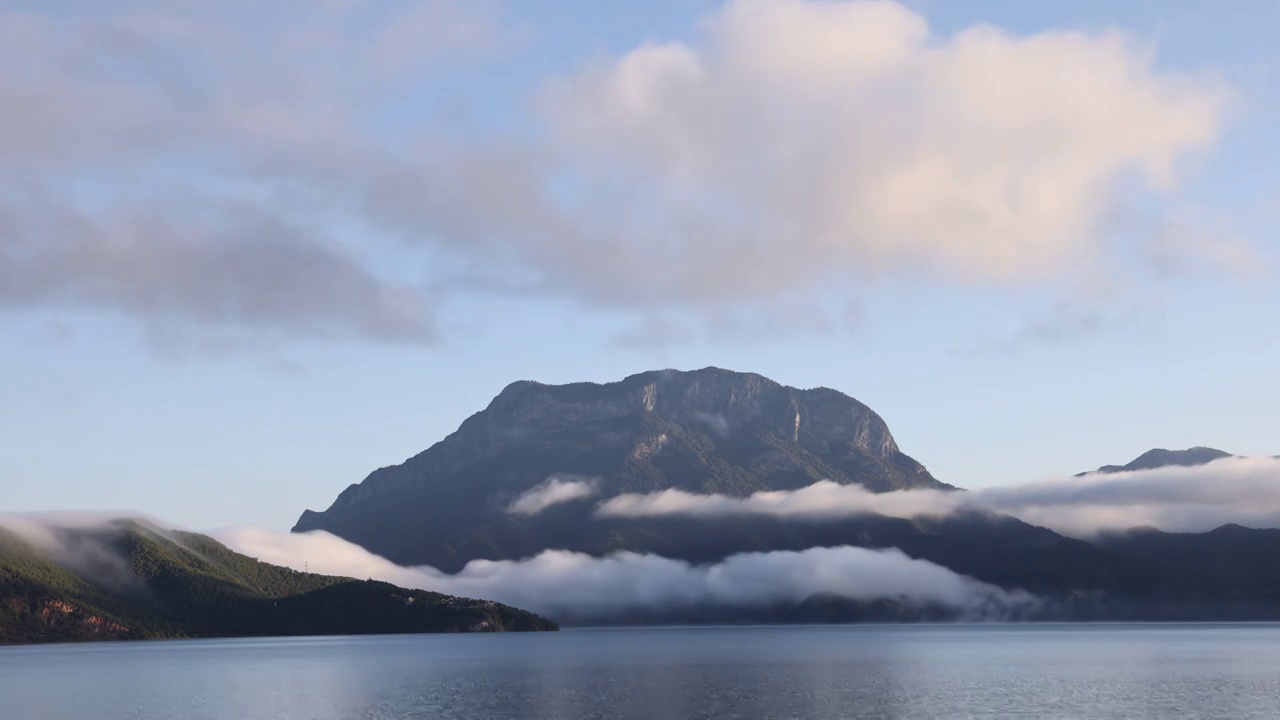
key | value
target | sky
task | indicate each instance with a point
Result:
(249, 253)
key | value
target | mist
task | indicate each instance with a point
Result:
(81, 543)
(562, 584)
(822, 500)
(554, 490)
(1245, 491)
(558, 583)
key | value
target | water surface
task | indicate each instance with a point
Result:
(1068, 671)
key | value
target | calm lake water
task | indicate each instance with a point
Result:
(1069, 671)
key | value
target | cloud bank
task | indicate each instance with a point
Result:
(563, 584)
(1245, 491)
(172, 163)
(554, 490)
(220, 168)
(559, 583)
(797, 141)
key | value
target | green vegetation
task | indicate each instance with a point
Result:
(130, 581)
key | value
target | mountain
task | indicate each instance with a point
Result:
(1230, 564)
(703, 431)
(126, 580)
(1236, 561)
(717, 431)
(1159, 457)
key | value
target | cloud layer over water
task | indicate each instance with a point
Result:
(560, 583)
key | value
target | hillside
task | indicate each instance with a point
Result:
(126, 580)
(1239, 559)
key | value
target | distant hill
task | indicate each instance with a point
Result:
(126, 580)
(1235, 561)
(1229, 572)
(1159, 457)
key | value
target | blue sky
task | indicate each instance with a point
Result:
(239, 278)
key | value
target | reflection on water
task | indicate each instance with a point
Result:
(1220, 671)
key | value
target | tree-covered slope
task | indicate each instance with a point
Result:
(129, 581)
(40, 600)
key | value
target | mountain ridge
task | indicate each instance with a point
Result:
(1160, 457)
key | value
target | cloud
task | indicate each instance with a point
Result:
(554, 490)
(283, 170)
(715, 422)
(1238, 490)
(1073, 323)
(1245, 491)
(174, 163)
(234, 269)
(799, 142)
(565, 584)
(81, 542)
(819, 501)
(559, 583)
(654, 331)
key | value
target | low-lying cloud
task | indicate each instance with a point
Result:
(1240, 490)
(1245, 491)
(80, 542)
(564, 584)
(554, 490)
(821, 500)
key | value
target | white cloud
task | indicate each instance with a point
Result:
(713, 188)
(565, 584)
(805, 140)
(1245, 491)
(554, 490)
(175, 162)
(821, 500)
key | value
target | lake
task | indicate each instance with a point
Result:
(1068, 671)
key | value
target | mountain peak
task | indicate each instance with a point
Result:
(720, 399)
(1160, 457)
(710, 430)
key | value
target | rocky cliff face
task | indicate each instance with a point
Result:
(708, 430)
